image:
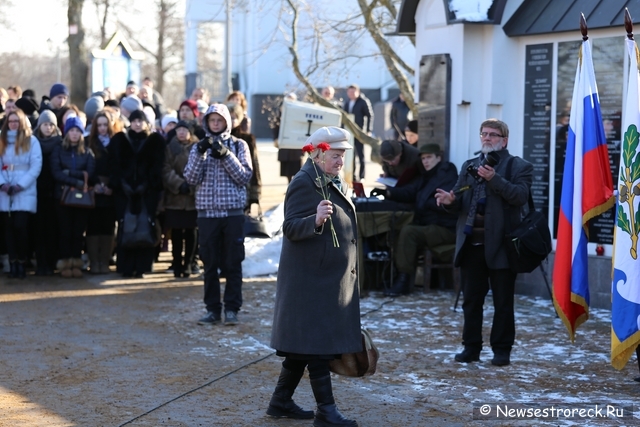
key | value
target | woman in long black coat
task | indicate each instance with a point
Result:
(317, 311)
(136, 181)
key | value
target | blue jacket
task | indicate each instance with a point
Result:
(75, 163)
(20, 169)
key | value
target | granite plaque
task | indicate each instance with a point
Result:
(435, 97)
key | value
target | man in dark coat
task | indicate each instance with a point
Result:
(400, 161)
(317, 312)
(399, 116)
(360, 107)
(481, 204)
(432, 226)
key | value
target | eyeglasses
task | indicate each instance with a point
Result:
(492, 135)
(13, 121)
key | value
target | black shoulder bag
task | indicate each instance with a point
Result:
(529, 242)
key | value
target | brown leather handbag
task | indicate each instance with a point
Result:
(79, 198)
(360, 364)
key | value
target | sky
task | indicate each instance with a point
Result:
(36, 21)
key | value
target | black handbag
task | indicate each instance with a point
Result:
(78, 197)
(255, 226)
(138, 230)
(528, 243)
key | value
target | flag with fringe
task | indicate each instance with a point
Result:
(587, 191)
(625, 289)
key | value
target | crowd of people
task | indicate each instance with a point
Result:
(123, 153)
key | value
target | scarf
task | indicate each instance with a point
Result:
(478, 202)
(104, 139)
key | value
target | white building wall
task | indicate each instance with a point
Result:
(260, 45)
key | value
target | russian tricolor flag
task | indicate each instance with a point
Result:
(625, 290)
(587, 191)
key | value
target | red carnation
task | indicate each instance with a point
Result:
(308, 148)
(323, 146)
(5, 167)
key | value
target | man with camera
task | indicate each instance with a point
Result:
(491, 190)
(220, 166)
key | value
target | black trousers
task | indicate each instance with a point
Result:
(45, 233)
(318, 368)
(16, 232)
(359, 151)
(72, 224)
(222, 247)
(183, 238)
(476, 278)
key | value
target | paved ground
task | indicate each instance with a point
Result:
(103, 351)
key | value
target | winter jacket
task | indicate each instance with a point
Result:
(46, 183)
(138, 159)
(68, 159)
(255, 185)
(221, 182)
(176, 157)
(20, 169)
(102, 173)
(317, 308)
(501, 193)
(422, 190)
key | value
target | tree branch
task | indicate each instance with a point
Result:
(316, 97)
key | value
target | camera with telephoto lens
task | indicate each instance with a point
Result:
(489, 159)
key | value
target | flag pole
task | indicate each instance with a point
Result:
(628, 24)
(583, 27)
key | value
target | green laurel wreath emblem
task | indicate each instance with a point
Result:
(629, 174)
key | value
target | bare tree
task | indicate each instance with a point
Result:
(167, 52)
(376, 17)
(103, 9)
(78, 61)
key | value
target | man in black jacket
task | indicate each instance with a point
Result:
(360, 107)
(432, 226)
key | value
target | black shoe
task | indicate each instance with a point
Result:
(230, 318)
(401, 286)
(467, 356)
(210, 319)
(327, 414)
(501, 358)
(281, 404)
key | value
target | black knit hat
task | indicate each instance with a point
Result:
(184, 124)
(138, 115)
(413, 126)
(27, 105)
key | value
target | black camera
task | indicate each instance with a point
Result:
(489, 159)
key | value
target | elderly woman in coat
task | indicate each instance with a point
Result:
(317, 311)
(21, 162)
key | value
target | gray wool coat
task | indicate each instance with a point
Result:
(317, 308)
(501, 193)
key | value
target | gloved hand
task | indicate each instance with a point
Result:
(378, 192)
(218, 150)
(204, 144)
(14, 189)
(184, 188)
(5, 187)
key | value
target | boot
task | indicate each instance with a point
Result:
(93, 250)
(281, 404)
(21, 272)
(401, 286)
(106, 246)
(64, 266)
(13, 270)
(6, 266)
(327, 413)
(76, 266)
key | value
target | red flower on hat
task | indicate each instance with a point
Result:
(323, 146)
(309, 148)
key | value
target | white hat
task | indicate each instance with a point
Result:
(336, 137)
(168, 118)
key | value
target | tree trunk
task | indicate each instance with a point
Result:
(162, 25)
(78, 58)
